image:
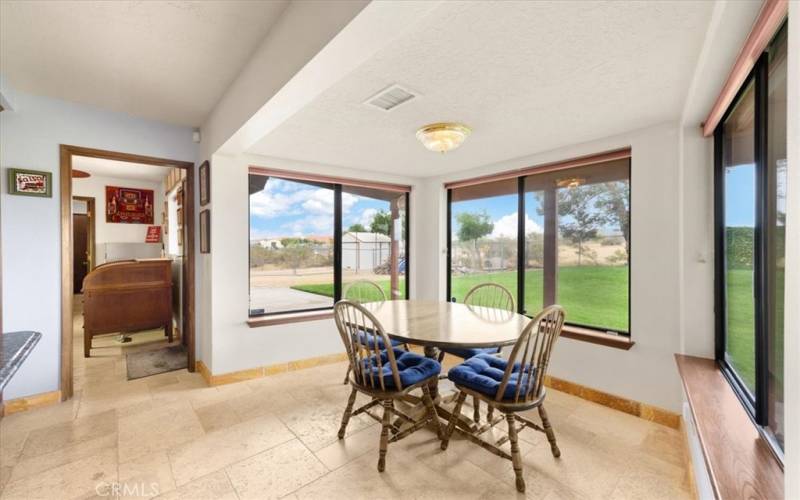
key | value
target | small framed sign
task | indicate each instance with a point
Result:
(205, 183)
(30, 182)
(205, 231)
(153, 234)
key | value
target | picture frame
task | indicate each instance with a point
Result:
(24, 182)
(205, 183)
(205, 231)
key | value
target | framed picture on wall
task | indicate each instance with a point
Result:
(205, 183)
(205, 231)
(30, 182)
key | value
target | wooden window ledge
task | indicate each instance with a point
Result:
(596, 337)
(739, 462)
(283, 319)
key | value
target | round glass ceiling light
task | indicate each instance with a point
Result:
(443, 137)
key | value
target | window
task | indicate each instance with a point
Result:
(750, 193)
(571, 247)
(310, 238)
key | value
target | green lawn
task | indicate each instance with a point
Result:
(591, 295)
(741, 324)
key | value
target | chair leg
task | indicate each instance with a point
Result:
(347, 412)
(476, 409)
(87, 344)
(451, 425)
(516, 459)
(426, 398)
(548, 429)
(385, 425)
(490, 414)
(347, 375)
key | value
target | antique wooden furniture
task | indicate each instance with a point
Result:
(483, 295)
(363, 291)
(127, 296)
(519, 388)
(384, 375)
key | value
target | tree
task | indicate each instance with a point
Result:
(357, 228)
(472, 227)
(381, 223)
(579, 219)
(614, 202)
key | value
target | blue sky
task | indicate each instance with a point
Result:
(287, 208)
(740, 195)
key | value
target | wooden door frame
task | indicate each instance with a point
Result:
(92, 228)
(66, 152)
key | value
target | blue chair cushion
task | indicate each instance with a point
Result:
(469, 353)
(370, 339)
(412, 368)
(484, 373)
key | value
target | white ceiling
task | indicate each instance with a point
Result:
(526, 76)
(100, 167)
(165, 60)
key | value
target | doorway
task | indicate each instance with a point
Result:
(72, 250)
(82, 239)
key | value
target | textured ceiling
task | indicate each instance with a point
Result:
(526, 76)
(165, 60)
(102, 167)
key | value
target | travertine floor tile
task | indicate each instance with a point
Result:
(217, 416)
(61, 456)
(215, 486)
(147, 476)
(161, 428)
(275, 472)
(225, 447)
(55, 437)
(81, 478)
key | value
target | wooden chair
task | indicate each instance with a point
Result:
(493, 296)
(520, 388)
(384, 375)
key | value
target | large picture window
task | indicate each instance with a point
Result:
(750, 193)
(571, 247)
(310, 237)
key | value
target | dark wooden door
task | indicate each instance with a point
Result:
(80, 257)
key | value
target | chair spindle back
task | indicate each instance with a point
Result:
(358, 329)
(363, 291)
(531, 354)
(490, 295)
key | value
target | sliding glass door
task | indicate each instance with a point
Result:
(750, 201)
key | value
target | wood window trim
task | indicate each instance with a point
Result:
(739, 461)
(597, 337)
(287, 318)
(770, 18)
(580, 161)
(329, 179)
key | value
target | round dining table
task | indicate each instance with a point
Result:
(437, 325)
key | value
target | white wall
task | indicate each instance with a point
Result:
(232, 345)
(647, 371)
(109, 232)
(29, 138)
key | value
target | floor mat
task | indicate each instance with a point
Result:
(146, 363)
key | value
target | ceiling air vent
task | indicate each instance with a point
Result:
(390, 98)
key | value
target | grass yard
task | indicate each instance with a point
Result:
(740, 310)
(592, 295)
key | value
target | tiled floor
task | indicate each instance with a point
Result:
(173, 436)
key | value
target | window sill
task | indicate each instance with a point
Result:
(738, 460)
(596, 337)
(284, 319)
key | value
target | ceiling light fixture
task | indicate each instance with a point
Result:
(570, 182)
(443, 137)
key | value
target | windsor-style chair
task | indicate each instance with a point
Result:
(519, 388)
(489, 295)
(384, 375)
(362, 292)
